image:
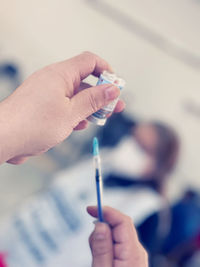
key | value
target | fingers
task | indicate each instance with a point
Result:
(120, 104)
(119, 107)
(17, 160)
(79, 67)
(129, 256)
(112, 216)
(81, 126)
(88, 63)
(127, 250)
(82, 86)
(88, 101)
(123, 229)
(101, 246)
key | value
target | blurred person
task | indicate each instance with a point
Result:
(137, 168)
(137, 162)
(41, 113)
(69, 195)
(145, 153)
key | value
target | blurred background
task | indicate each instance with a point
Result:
(155, 46)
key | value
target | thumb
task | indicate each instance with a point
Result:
(101, 246)
(89, 100)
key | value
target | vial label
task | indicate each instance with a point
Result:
(100, 116)
(110, 107)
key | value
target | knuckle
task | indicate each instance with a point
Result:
(93, 58)
(93, 102)
(89, 53)
(122, 253)
(99, 248)
(50, 68)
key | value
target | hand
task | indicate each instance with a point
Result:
(49, 105)
(116, 244)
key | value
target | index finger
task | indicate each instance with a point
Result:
(127, 249)
(111, 216)
(85, 64)
(123, 227)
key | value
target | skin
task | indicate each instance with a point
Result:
(115, 243)
(45, 110)
(146, 135)
(50, 104)
(147, 138)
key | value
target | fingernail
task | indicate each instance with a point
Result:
(99, 232)
(112, 92)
